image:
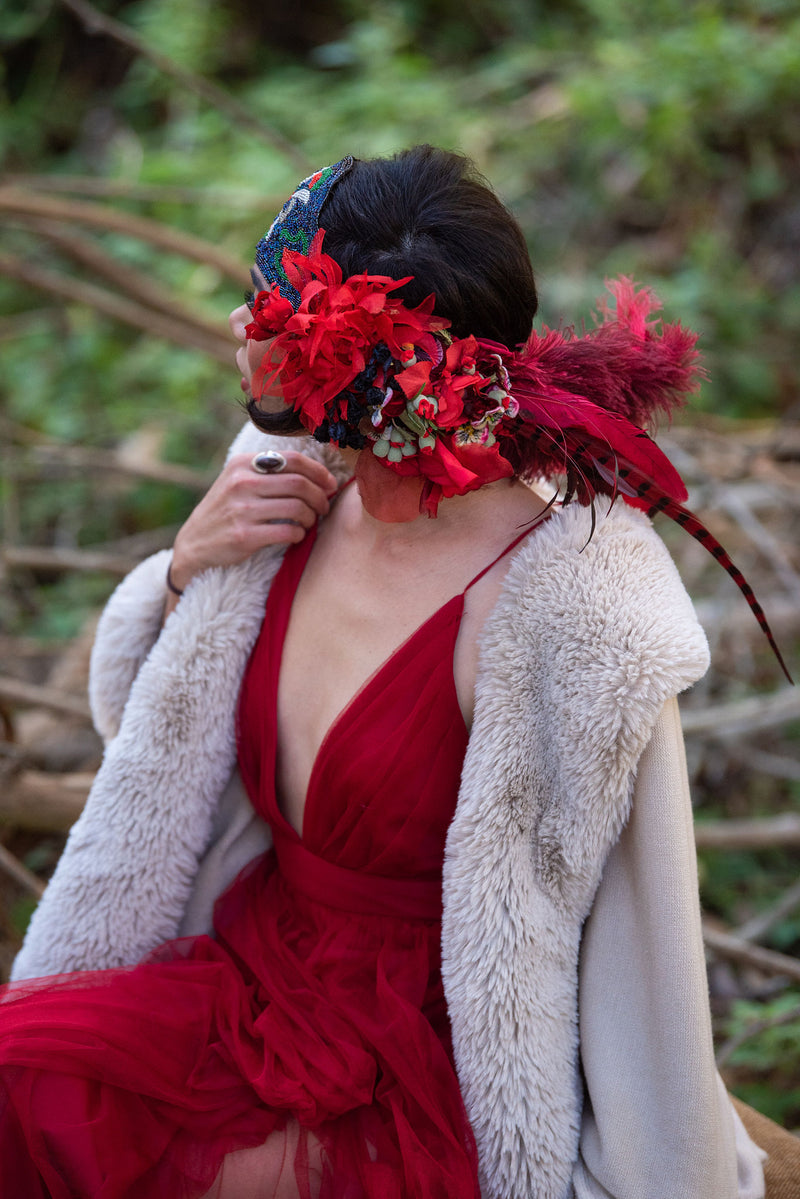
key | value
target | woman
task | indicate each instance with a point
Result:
(500, 678)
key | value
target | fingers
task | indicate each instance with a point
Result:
(244, 511)
(253, 527)
(285, 510)
(297, 464)
(292, 489)
(303, 482)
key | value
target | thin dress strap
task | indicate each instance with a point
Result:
(507, 550)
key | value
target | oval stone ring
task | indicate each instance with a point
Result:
(268, 462)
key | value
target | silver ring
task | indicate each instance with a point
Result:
(268, 462)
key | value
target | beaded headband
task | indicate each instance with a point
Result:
(295, 226)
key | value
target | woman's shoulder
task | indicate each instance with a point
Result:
(600, 588)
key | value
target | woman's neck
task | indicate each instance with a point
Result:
(500, 504)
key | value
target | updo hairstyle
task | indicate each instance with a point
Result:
(427, 212)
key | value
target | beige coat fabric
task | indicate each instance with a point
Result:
(572, 957)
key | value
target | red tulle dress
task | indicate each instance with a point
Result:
(311, 1034)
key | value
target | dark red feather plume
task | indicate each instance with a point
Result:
(583, 401)
(653, 503)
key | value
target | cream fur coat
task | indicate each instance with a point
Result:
(572, 954)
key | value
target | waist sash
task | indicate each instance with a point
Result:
(353, 890)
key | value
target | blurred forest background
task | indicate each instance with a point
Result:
(146, 146)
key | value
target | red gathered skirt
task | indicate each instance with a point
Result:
(305, 1049)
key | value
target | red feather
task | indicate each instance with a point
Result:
(628, 367)
(597, 441)
(583, 401)
(655, 503)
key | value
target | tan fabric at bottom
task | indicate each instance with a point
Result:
(782, 1167)
(654, 1107)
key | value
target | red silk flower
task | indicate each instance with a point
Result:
(318, 349)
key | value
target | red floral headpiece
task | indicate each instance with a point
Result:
(440, 416)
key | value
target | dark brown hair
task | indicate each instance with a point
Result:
(429, 213)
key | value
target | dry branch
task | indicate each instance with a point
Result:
(753, 1030)
(55, 455)
(101, 216)
(33, 557)
(744, 716)
(734, 501)
(85, 458)
(20, 873)
(136, 284)
(143, 193)
(735, 950)
(32, 695)
(13, 753)
(781, 766)
(21, 323)
(735, 621)
(241, 117)
(48, 802)
(158, 324)
(764, 833)
(758, 926)
(140, 545)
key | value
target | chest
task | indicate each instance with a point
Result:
(348, 621)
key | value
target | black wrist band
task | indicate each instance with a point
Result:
(175, 590)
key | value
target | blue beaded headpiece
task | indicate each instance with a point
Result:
(295, 225)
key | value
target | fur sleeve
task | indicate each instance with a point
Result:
(590, 638)
(128, 869)
(131, 622)
(165, 699)
(127, 631)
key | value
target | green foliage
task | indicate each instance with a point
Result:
(770, 1054)
(661, 143)
(21, 912)
(737, 884)
(658, 141)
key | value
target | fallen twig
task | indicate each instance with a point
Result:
(763, 833)
(728, 622)
(102, 216)
(734, 502)
(758, 926)
(780, 766)
(31, 557)
(87, 458)
(140, 545)
(34, 799)
(766, 960)
(171, 328)
(143, 193)
(743, 716)
(134, 283)
(20, 873)
(32, 695)
(727, 1050)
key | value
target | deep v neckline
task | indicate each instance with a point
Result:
(305, 548)
(369, 685)
(361, 691)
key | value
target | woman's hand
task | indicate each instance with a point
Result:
(243, 511)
